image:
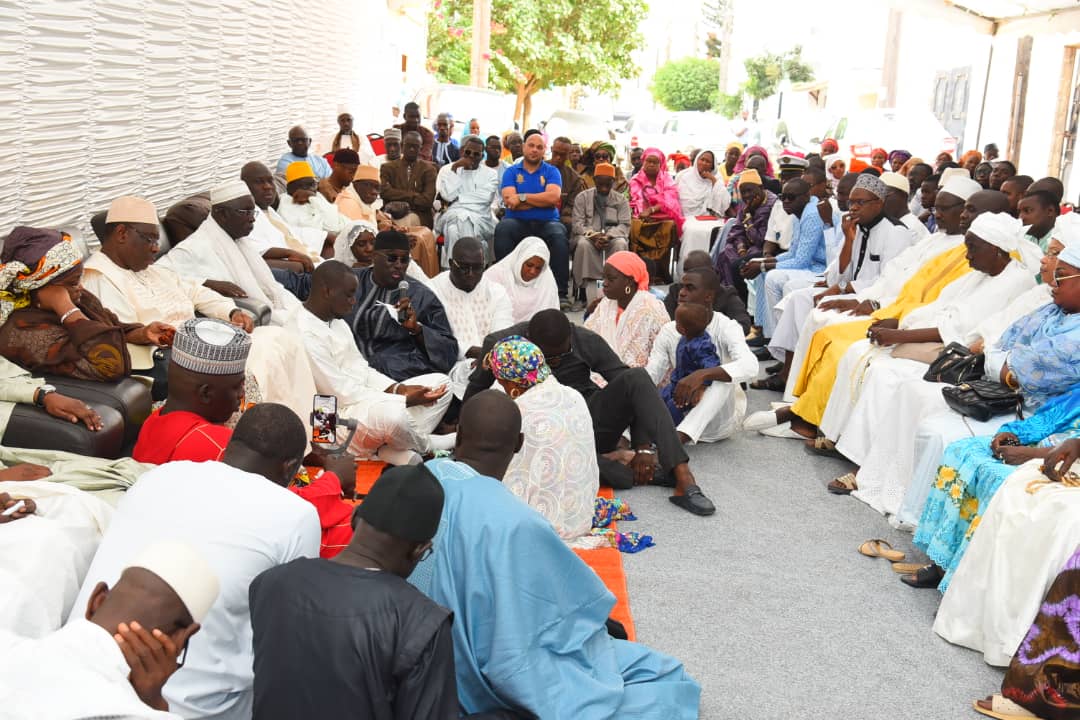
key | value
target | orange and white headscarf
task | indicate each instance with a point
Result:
(32, 258)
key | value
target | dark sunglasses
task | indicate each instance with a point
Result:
(392, 259)
(467, 268)
(793, 197)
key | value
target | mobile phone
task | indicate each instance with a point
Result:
(324, 419)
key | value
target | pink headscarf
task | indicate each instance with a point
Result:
(755, 150)
(662, 191)
(631, 265)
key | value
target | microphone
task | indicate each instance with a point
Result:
(403, 288)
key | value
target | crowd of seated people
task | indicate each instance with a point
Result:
(428, 290)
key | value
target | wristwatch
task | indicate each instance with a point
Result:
(41, 392)
(521, 197)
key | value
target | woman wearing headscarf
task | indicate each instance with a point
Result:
(704, 199)
(555, 471)
(526, 276)
(355, 245)
(829, 147)
(658, 218)
(751, 152)
(878, 158)
(767, 176)
(50, 324)
(628, 316)
(731, 158)
(908, 164)
(836, 169)
(897, 158)
(599, 153)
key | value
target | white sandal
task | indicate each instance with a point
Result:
(1002, 708)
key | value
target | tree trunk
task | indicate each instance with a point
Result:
(519, 101)
(526, 110)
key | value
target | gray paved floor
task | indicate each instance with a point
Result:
(771, 607)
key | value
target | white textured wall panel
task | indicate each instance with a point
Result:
(161, 98)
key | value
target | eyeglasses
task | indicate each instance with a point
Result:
(394, 259)
(793, 197)
(147, 237)
(1058, 278)
(602, 156)
(853, 203)
(467, 268)
(472, 153)
(242, 212)
(300, 140)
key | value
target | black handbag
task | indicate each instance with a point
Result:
(955, 364)
(983, 399)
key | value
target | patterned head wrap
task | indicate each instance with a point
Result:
(897, 158)
(32, 258)
(519, 361)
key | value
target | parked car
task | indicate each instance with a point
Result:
(685, 131)
(494, 110)
(580, 127)
(642, 130)
(916, 131)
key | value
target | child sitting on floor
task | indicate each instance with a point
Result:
(694, 352)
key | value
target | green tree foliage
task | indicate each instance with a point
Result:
(764, 73)
(538, 45)
(687, 84)
(729, 105)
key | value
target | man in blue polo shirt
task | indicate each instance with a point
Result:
(532, 192)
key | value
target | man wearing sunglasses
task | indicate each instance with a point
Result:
(469, 190)
(474, 305)
(403, 333)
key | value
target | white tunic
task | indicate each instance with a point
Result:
(884, 243)
(76, 672)
(242, 524)
(276, 361)
(316, 217)
(340, 369)
(879, 432)
(720, 412)
(1023, 541)
(267, 233)
(471, 194)
(473, 316)
(209, 253)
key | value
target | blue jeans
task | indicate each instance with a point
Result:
(510, 231)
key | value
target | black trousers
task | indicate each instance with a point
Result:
(632, 401)
(737, 280)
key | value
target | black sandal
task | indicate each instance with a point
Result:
(694, 501)
(775, 368)
(773, 382)
(929, 576)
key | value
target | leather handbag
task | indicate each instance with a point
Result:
(956, 364)
(983, 399)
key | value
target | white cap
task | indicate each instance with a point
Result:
(184, 570)
(1067, 230)
(949, 173)
(229, 191)
(896, 181)
(132, 209)
(961, 187)
(999, 229)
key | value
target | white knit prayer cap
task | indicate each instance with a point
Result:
(949, 173)
(229, 191)
(186, 571)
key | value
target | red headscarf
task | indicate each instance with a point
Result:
(829, 147)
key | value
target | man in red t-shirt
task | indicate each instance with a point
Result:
(206, 386)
